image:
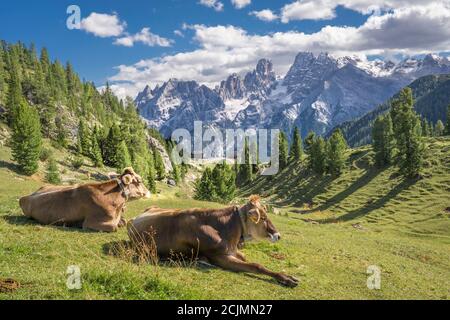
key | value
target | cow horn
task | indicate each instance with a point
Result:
(259, 216)
(127, 179)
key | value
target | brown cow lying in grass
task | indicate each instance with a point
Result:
(95, 206)
(213, 234)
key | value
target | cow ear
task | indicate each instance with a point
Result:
(127, 179)
(128, 170)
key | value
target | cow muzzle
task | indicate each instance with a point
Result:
(148, 195)
(275, 237)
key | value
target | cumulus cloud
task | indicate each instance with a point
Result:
(239, 4)
(265, 15)
(145, 37)
(326, 9)
(214, 4)
(223, 50)
(103, 25)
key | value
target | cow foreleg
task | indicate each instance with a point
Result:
(233, 263)
(100, 226)
(240, 256)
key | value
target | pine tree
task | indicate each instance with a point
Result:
(52, 175)
(96, 152)
(336, 153)
(26, 140)
(246, 169)
(15, 88)
(297, 147)
(309, 141)
(447, 123)
(439, 129)
(383, 140)
(159, 164)
(151, 175)
(3, 86)
(84, 139)
(425, 128)
(204, 187)
(61, 133)
(111, 146)
(123, 157)
(317, 157)
(284, 150)
(408, 134)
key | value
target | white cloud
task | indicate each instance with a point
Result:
(179, 33)
(103, 25)
(239, 4)
(145, 37)
(215, 4)
(265, 15)
(326, 9)
(223, 50)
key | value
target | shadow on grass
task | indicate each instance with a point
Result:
(358, 184)
(377, 204)
(10, 166)
(26, 221)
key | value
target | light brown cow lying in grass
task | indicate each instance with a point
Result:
(213, 234)
(95, 206)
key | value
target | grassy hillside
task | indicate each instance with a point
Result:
(363, 218)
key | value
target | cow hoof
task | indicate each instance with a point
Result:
(288, 281)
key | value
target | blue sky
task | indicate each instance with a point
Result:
(213, 42)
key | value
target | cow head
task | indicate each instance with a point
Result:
(133, 185)
(258, 224)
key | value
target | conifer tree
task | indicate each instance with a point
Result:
(96, 152)
(297, 147)
(52, 173)
(111, 145)
(14, 88)
(61, 133)
(439, 129)
(159, 164)
(26, 140)
(3, 86)
(123, 157)
(246, 169)
(284, 151)
(84, 139)
(447, 123)
(317, 157)
(151, 175)
(336, 153)
(204, 187)
(383, 140)
(309, 141)
(408, 134)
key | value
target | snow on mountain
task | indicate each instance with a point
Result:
(318, 93)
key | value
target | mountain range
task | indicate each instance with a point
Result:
(319, 92)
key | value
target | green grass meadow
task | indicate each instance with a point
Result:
(332, 231)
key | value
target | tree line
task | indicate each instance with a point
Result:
(397, 137)
(40, 98)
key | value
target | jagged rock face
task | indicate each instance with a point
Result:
(318, 93)
(232, 88)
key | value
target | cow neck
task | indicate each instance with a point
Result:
(123, 191)
(243, 219)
